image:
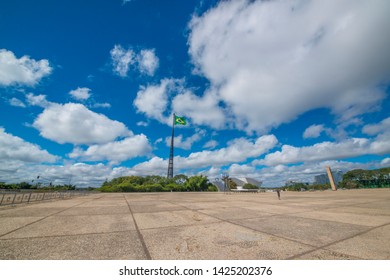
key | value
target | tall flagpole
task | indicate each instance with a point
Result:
(170, 165)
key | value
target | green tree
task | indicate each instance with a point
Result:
(197, 183)
(250, 186)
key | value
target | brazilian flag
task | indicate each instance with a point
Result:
(180, 120)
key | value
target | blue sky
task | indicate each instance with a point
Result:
(273, 90)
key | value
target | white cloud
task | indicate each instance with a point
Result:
(373, 129)
(23, 71)
(328, 151)
(277, 176)
(74, 123)
(38, 100)
(124, 2)
(238, 150)
(187, 143)
(385, 162)
(80, 93)
(122, 59)
(79, 174)
(147, 62)
(141, 123)
(16, 102)
(154, 166)
(101, 105)
(118, 151)
(153, 100)
(210, 144)
(13, 148)
(244, 170)
(271, 61)
(202, 110)
(313, 131)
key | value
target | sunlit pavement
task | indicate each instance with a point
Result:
(344, 224)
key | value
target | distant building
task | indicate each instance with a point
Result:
(240, 182)
(323, 179)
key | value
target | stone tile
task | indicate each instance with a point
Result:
(97, 210)
(109, 246)
(360, 210)
(326, 255)
(30, 211)
(170, 219)
(234, 213)
(308, 231)
(219, 241)
(154, 206)
(372, 245)
(356, 219)
(73, 225)
(12, 223)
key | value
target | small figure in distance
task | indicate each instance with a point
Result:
(278, 192)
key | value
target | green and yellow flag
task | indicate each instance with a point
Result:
(180, 120)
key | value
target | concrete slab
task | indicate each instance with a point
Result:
(95, 210)
(12, 223)
(374, 245)
(217, 241)
(305, 225)
(171, 219)
(230, 214)
(322, 254)
(31, 211)
(109, 246)
(351, 218)
(360, 210)
(154, 206)
(308, 231)
(73, 225)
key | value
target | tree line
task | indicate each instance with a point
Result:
(154, 183)
(353, 179)
(31, 186)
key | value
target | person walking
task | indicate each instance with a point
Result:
(278, 192)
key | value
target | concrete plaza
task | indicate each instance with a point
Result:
(344, 224)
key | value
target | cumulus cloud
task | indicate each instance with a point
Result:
(16, 102)
(373, 129)
(118, 151)
(80, 93)
(37, 100)
(79, 174)
(348, 148)
(147, 62)
(210, 144)
(13, 148)
(202, 110)
(122, 59)
(22, 71)
(271, 61)
(100, 105)
(238, 150)
(276, 176)
(153, 99)
(186, 143)
(76, 124)
(313, 131)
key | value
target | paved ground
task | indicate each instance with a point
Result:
(308, 225)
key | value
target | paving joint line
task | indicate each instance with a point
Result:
(66, 235)
(140, 236)
(255, 230)
(340, 240)
(47, 217)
